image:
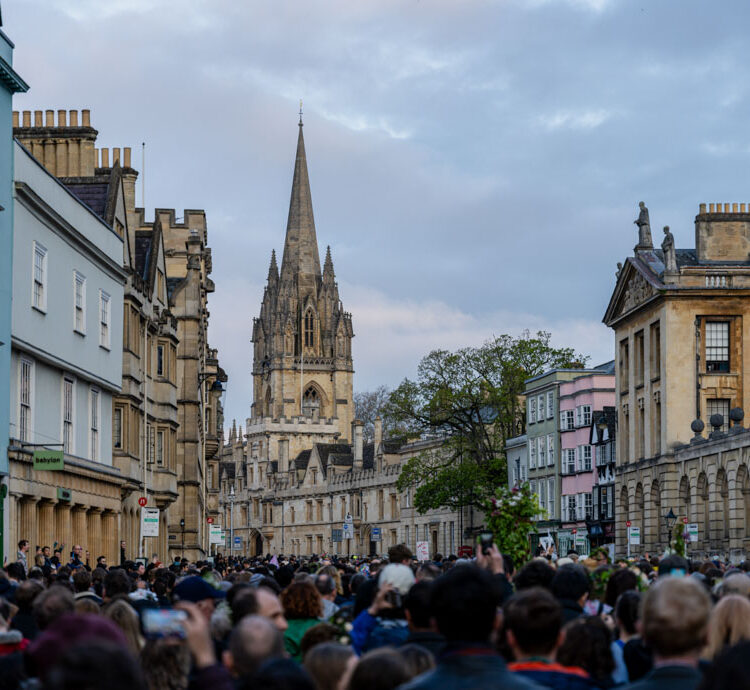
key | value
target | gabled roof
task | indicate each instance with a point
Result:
(302, 460)
(93, 194)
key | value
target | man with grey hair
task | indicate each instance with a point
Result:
(326, 587)
(254, 641)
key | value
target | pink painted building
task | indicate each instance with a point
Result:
(582, 401)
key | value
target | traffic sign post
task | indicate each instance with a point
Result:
(375, 534)
(210, 520)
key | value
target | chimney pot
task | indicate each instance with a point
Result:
(74, 118)
(62, 118)
(49, 118)
(105, 158)
(702, 208)
(742, 208)
(126, 157)
(27, 118)
(38, 118)
(15, 118)
(115, 155)
(726, 208)
(86, 117)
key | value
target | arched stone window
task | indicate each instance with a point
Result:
(655, 510)
(743, 484)
(309, 328)
(311, 402)
(722, 485)
(703, 510)
(684, 510)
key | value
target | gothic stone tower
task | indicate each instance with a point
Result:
(302, 356)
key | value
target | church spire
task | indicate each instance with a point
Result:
(301, 245)
(328, 266)
(273, 269)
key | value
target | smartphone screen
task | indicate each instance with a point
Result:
(163, 623)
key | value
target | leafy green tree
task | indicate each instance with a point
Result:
(511, 515)
(371, 404)
(472, 400)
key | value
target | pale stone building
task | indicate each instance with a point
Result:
(302, 464)
(680, 318)
(167, 398)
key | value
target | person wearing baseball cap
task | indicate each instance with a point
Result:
(197, 591)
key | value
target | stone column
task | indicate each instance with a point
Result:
(80, 535)
(13, 521)
(110, 546)
(46, 523)
(63, 527)
(28, 529)
(93, 534)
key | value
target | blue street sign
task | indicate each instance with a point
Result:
(238, 541)
(375, 536)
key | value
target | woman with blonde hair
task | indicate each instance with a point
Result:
(124, 617)
(728, 625)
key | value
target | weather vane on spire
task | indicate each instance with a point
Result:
(300, 112)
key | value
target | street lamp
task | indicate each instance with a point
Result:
(231, 520)
(182, 527)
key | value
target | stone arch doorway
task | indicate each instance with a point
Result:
(255, 543)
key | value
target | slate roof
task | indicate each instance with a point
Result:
(302, 460)
(93, 194)
(341, 459)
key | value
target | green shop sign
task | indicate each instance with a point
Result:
(48, 460)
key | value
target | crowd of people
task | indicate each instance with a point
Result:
(340, 623)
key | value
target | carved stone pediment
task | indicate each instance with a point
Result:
(637, 290)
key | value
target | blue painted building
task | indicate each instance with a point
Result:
(10, 83)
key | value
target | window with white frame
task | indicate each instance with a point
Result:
(551, 497)
(543, 494)
(583, 415)
(541, 450)
(550, 449)
(532, 487)
(588, 506)
(532, 410)
(94, 426)
(584, 455)
(569, 460)
(572, 508)
(25, 375)
(67, 421)
(717, 346)
(540, 407)
(79, 302)
(532, 453)
(39, 285)
(550, 404)
(567, 420)
(104, 316)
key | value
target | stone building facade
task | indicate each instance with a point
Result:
(302, 465)
(680, 318)
(10, 83)
(159, 411)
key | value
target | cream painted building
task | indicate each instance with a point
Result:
(302, 465)
(681, 317)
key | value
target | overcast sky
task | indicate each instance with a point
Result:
(475, 165)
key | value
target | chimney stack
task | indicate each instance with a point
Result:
(378, 432)
(283, 455)
(357, 443)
